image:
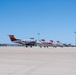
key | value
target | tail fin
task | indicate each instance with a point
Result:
(12, 38)
(43, 40)
(58, 41)
(51, 41)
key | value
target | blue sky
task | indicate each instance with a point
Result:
(53, 19)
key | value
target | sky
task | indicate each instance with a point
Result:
(53, 19)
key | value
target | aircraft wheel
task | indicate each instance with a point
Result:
(47, 46)
(44, 46)
(40, 46)
(62, 46)
(26, 46)
(31, 46)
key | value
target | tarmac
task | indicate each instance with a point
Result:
(37, 61)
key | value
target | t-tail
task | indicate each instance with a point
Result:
(12, 38)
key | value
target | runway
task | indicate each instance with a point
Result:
(37, 61)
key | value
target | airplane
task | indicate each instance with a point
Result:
(58, 44)
(68, 45)
(30, 43)
(43, 43)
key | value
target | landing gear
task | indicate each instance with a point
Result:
(26, 46)
(47, 46)
(40, 46)
(44, 46)
(31, 46)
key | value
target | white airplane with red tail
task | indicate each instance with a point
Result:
(30, 43)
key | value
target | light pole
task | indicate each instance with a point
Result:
(75, 38)
(38, 36)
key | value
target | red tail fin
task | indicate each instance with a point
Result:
(42, 40)
(51, 41)
(12, 37)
